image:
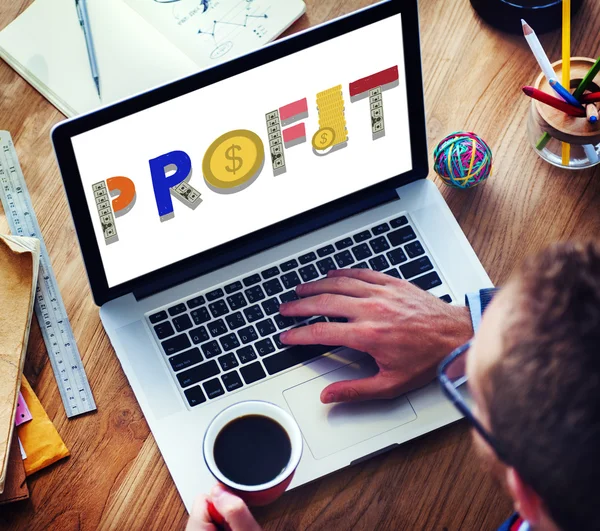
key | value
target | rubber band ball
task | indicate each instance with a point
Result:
(463, 160)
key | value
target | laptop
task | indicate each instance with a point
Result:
(200, 206)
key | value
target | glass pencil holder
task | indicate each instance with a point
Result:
(550, 129)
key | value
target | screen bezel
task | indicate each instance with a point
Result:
(274, 234)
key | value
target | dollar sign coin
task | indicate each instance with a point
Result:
(233, 161)
(230, 155)
(323, 138)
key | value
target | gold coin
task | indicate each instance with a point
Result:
(233, 159)
(323, 138)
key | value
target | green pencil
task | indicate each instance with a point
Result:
(587, 79)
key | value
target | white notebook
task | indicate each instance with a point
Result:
(139, 44)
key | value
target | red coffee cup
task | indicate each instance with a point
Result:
(269, 491)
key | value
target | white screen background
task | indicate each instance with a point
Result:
(192, 122)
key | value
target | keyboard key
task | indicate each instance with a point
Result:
(255, 294)
(253, 372)
(185, 359)
(446, 298)
(229, 342)
(200, 315)
(199, 335)
(308, 272)
(273, 287)
(248, 334)
(211, 349)
(163, 330)
(228, 361)
(214, 294)
(253, 313)
(306, 258)
(217, 327)
(379, 263)
(398, 222)
(271, 306)
(289, 265)
(393, 273)
(246, 354)
(213, 388)
(344, 244)
(289, 296)
(232, 381)
(379, 244)
(198, 373)
(265, 327)
(290, 280)
(264, 347)
(195, 302)
(344, 259)
(233, 287)
(270, 273)
(183, 322)
(293, 356)
(362, 236)
(251, 280)
(428, 281)
(177, 309)
(325, 265)
(416, 267)
(194, 396)
(278, 342)
(380, 229)
(361, 251)
(400, 236)
(324, 251)
(157, 317)
(317, 320)
(397, 256)
(360, 265)
(414, 249)
(218, 308)
(283, 322)
(236, 301)
(235, 320)
(175, 344)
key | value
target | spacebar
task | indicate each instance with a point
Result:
(293, 356)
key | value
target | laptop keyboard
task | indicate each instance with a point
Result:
(226, 338)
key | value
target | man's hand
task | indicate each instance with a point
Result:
(407, 330)
(232, 509)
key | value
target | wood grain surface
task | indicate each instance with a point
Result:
(116, 479)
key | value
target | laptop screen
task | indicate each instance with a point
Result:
(242, 154)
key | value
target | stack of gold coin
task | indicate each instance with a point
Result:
(330, 104)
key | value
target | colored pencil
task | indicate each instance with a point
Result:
(592, 113)
(564, 93)
(546, 98)
(589, 77)
(566, 66)
(592, 97)
(538, 51)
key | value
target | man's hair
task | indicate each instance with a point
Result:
(544, 393)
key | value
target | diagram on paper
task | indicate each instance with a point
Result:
(210, 31)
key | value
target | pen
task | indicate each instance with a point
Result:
(84, 21)
(554, 102)
(564, 93)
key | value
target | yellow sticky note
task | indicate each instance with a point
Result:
(41, 442)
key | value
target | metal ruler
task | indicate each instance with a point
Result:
(49, 307)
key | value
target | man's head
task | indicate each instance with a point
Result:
(534, 372)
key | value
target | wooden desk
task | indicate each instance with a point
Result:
(116, 477)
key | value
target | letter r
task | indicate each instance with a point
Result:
(162, 184)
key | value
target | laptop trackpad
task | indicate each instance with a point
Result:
(329, 428)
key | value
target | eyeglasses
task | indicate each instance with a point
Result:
(452, 377)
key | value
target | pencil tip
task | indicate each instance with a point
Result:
(527, 30)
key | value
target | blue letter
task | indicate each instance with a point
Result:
(163, 184)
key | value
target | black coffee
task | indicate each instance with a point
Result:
(252, 450)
